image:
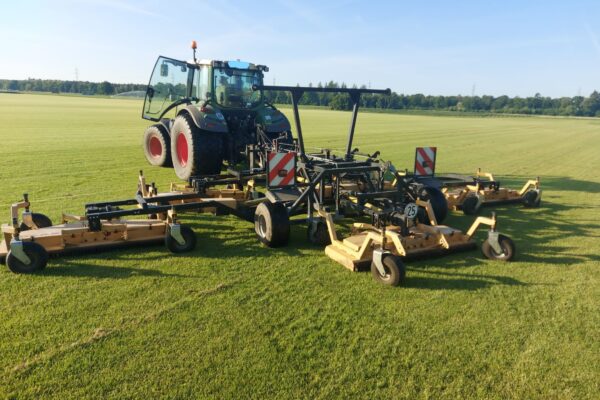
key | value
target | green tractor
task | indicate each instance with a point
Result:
(207, 113)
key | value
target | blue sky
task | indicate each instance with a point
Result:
(453, 47)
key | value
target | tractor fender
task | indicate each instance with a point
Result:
(166, 123)
(272, 120)
(211, 122)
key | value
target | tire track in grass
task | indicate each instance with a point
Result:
(101, 333)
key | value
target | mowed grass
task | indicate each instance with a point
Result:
(236, 320)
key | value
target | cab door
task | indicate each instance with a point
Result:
(170, 81)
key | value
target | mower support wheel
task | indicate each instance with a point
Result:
(317, 233)
(33, 258)
(157, 146)
(530, 199)
(470, 205)
(182, 241)
(438, 203)
(40, 220)
(507, 246)
(272, 224)
(395, 271)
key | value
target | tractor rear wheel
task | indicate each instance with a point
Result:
(38, 258)
(272, 224)
(194, 151)
(395, 271)
(157, 146)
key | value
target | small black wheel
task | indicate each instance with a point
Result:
(530, 199)
(438, 202)
(318, 234)
(272, 224)
(38, 259)
(157, 146)
(507, 246)
(40, 220)
(470, 205)
(395, 271)
(189, 238)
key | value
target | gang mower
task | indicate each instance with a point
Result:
(469, 194)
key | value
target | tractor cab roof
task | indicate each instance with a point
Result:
(237, 64)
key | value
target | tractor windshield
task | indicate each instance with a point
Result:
(233, 87)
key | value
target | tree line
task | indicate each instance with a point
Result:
(537, 105)
(80, 87)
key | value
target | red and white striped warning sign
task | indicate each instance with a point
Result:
(425, 161)
(282, 169)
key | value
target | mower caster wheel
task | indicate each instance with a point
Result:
(470, 205)
(530, 199)
(395, 271)
(189, 240)
(438, 203)
(318, 234)
(40, 220)
(507, 246)
(272, 224)
(38, 259)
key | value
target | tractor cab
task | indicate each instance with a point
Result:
(224, 84)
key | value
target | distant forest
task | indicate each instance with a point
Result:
(536, 105)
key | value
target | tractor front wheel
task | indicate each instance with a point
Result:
(157, 146)
(318, 234)
(194, 151)
(438, 203)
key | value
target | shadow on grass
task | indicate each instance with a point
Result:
(457, 281)
(80, 269)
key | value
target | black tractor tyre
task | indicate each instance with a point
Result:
(395, 271)
(318, 234)
(40, 220)
(37, 255)
(470, 205)
(508, 249)
(272, 224)
(530, 199)
(188, 236)
(194, 151)
(438, 203)
(157, 146)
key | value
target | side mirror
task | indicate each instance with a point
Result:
(164, 69)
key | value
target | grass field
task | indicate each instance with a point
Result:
(236, 320)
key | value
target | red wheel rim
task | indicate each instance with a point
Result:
(182, 149)
(155, 147)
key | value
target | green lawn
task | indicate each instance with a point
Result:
(236, 320)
